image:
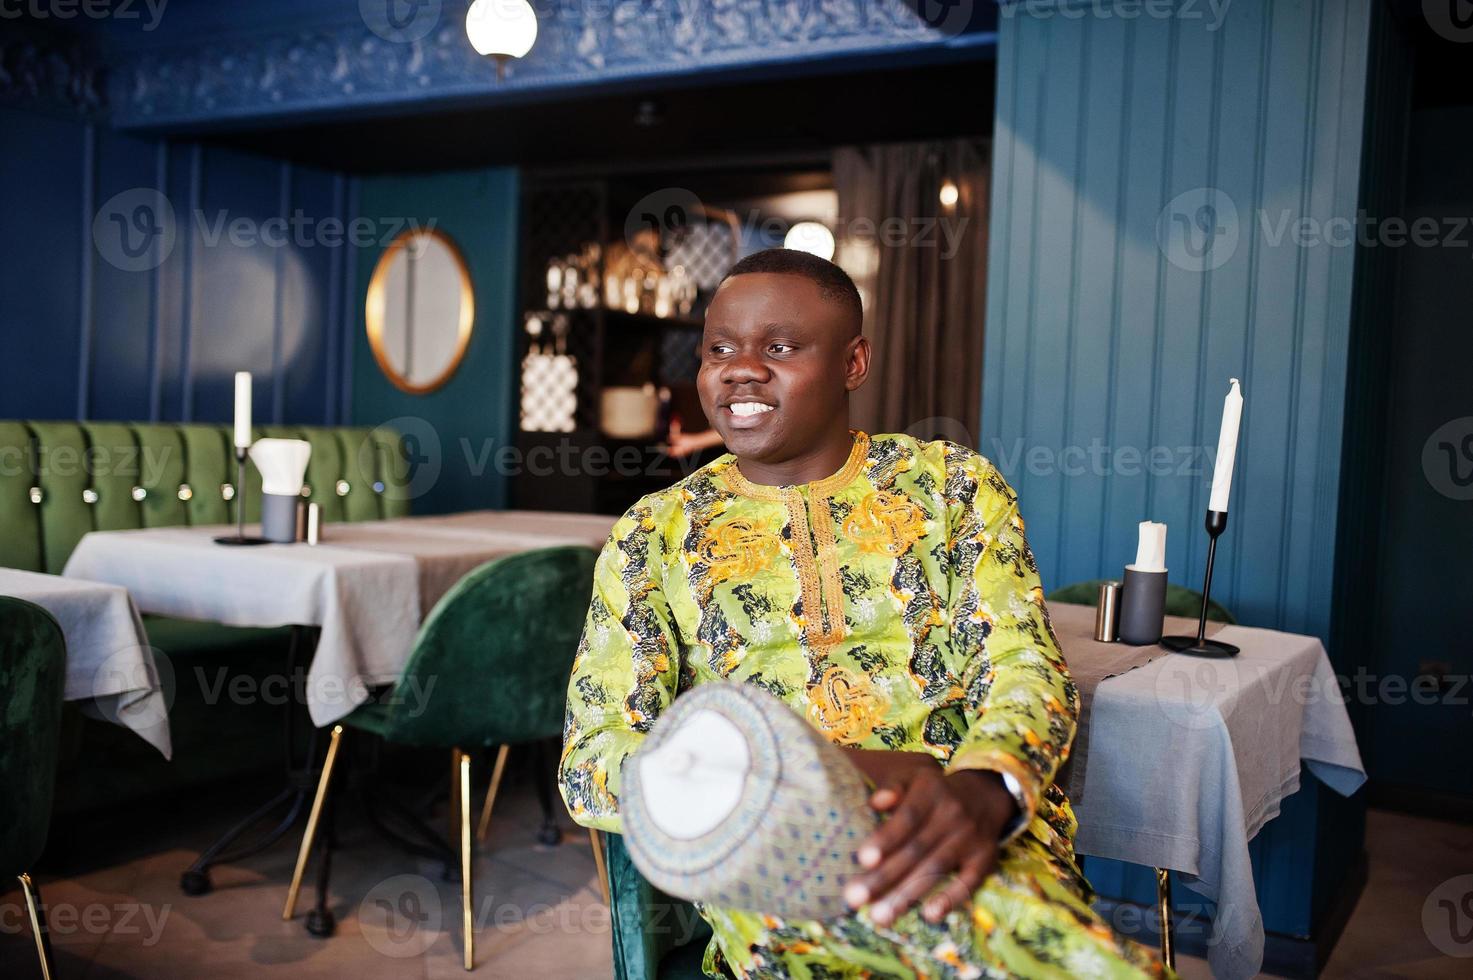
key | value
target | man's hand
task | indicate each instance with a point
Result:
(940, 827)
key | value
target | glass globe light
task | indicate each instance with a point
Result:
(811, 237)
(501, 29)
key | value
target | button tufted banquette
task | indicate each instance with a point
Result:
(59, 480)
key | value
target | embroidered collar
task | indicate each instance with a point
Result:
(826, 487)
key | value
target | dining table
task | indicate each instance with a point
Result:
(110, 670)
(1180, 761)
(355, 601)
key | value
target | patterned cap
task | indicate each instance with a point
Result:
(744, 805)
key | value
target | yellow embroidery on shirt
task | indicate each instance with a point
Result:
(846, 705)
(886, 523)
(737, 550)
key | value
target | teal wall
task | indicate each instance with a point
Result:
(1098, 335)
(458, 428)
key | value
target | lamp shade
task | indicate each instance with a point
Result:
(501, 28)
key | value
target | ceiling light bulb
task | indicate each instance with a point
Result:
(810, 237)
(949, 194)
(501, 28)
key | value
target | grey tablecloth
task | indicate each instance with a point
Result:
(1189, 758)
(367, 586)
(1090, 662)
(110, 667)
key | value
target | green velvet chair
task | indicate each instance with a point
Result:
(494, 656)
(656, 937)
(1180, 600)
(32, 677)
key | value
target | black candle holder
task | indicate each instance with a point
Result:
(1199, 645)
(239, 537)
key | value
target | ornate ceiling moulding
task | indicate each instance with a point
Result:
(51, 75)
(400, 52)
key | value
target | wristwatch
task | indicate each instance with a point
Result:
(1020, 820)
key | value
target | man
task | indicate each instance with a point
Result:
(882, 587)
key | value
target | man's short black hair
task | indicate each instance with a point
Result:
(833, 281)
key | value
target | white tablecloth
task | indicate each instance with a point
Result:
(1189, 758)
(366, 586)
(110, 667)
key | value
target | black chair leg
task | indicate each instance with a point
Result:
(546, 766)
(320, 920)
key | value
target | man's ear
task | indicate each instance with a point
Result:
(856, 363)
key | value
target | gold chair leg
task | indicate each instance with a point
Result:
(598, 861)
(37, 913)
(467, 923)
(496, 772)
(305, 851)
(1163, 911)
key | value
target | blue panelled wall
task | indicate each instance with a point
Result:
(238, 272)
(1111, 338)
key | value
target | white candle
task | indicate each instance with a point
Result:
(1227, 448)
(242, 410)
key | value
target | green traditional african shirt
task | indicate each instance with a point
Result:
(895, 604)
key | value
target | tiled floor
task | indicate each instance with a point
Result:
(539, 908)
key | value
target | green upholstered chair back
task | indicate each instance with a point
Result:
(32, 677)
(1180, 600)
(59, 480)
(491, 663)
(656, 937)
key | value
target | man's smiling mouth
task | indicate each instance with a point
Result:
(747, 409)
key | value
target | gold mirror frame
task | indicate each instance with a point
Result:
(376, 301)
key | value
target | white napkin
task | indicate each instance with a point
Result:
(1150, 552)
(283, 464)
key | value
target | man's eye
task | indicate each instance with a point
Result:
(780, 348)
(721, 348)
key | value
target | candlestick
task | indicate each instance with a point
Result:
(239, 537)
(1227, 448)
(242, 410)
(1199, 645)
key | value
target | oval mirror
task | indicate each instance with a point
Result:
(420, 310)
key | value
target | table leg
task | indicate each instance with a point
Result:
(301, 780)
(1163, 911)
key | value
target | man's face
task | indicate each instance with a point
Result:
(777, 361)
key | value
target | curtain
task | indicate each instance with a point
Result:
(921, 268)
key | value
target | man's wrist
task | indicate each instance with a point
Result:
(987, 790)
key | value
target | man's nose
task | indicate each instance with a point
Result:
(745, 367)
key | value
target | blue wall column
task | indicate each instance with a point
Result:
(455, 432)
(1170, 206)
